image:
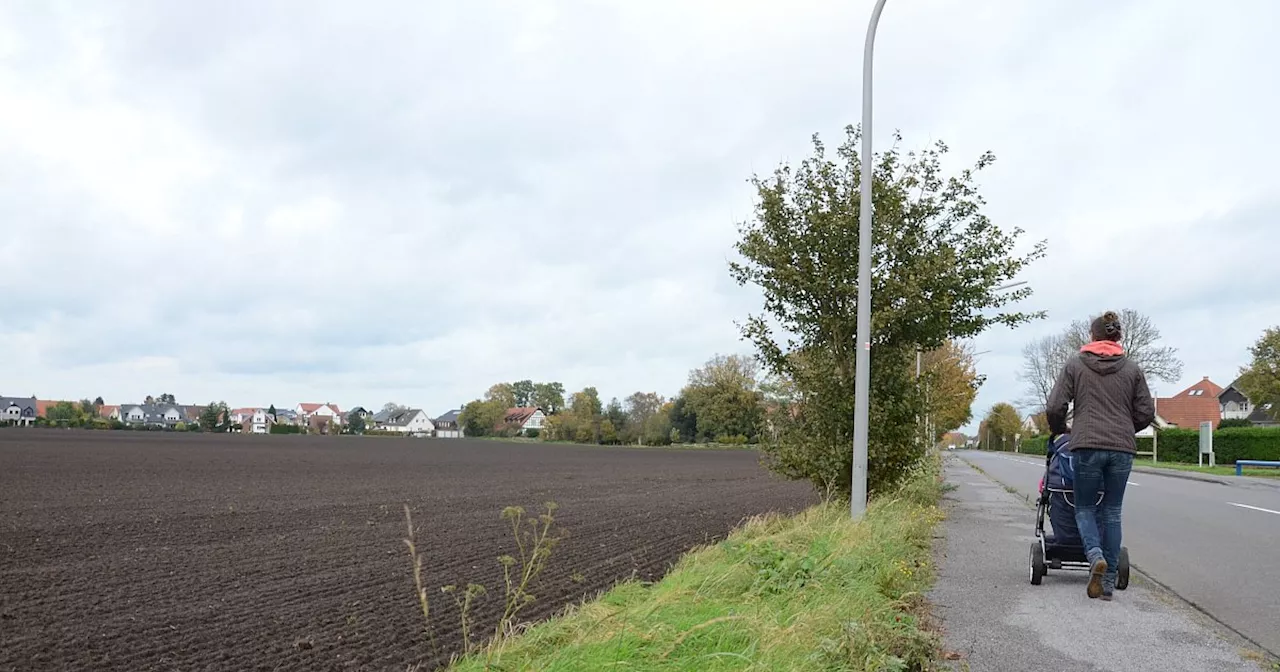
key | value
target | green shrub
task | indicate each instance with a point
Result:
(1231, 423)
(732, 439)
(532, 433)
(285, 429)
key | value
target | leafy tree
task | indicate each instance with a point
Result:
(549, 397)
(1261, 379)
(63, 412)
(393, 407)
(683, 421)
(272, 410)
(88, 410)
(149, 400)
(724, 397)
(502, 393)
(641, 408)
(215, 417)
(618, 421)
(937, 260)
(167, 398)
(1002, 425)
(523, 391)
(99, 402)
(479, 417)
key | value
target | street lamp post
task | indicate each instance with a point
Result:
(862, 361)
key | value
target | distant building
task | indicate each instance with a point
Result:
(523, 419)
(447, 425)
(409, 421)
(18, 411)
(307, 412)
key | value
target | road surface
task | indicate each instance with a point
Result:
(1215, 545)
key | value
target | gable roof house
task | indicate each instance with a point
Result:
(157, 415)
(447, 425)
(1234, 402)
(307, 411)
(522, 419)
(409, 421)
(1265, 415)
(1196, 404)
(18, 411)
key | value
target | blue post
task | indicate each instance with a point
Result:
(1239, 468)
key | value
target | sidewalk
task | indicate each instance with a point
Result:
(996, 621)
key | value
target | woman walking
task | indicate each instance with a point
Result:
(1111, 403)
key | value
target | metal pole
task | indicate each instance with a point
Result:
(862, 360)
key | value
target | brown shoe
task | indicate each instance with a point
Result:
(1096, 570)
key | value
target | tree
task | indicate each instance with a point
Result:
(683, 421)
(937, 260)
(1261, 379)
(98, 402)
(950, 384)
(1002, 426)
(502, 393)
(272, 410)
(640, 408)
(167, 398)
(393, 407)
(149, 400)
(63, 413)
(215, 417)
(1042, 362)
(724, 397)
(88, 410)
(355, 424)
(523, 391)
(1140, 339)
(480, 417)
(549, 397)
(618, 421)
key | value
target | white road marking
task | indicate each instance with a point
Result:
(1132, 483)
(1255, 508)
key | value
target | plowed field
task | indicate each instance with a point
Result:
(139, 551)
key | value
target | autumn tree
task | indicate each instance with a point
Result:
(480, 417)
(1001, 427)
(949, 382)
(1261, 379)
(936, 263)
(724, 397)
(503, 394)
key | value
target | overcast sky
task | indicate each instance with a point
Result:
(273, 202)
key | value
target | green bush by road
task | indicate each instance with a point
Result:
(810, 592)
(1183, 445)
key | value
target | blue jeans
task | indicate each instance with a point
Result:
(1105, 471)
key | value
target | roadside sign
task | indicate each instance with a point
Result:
(1206, 442)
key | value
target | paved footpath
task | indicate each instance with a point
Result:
(994, 620)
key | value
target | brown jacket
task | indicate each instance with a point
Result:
(1112, 402)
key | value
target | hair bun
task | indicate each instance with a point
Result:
(1110, 316)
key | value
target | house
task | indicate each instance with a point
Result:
(321, 423)
(108, 411)
(360, 412)
(1264, 415)
(409, 421)
(1188, 408)
(307, 411)
(447, 425)
(156, 415)
(259, 421)
(523, 419)
(1234, 402)
(286, 416)
(18, 411)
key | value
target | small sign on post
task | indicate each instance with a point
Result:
(1206, 442)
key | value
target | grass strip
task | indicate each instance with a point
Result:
(814, 591)
(1219, 470)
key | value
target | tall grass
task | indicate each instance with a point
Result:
(814, 591)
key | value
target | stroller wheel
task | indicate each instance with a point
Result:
(1122, 572)
(1036, 563)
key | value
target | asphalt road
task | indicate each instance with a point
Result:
(1215, 545)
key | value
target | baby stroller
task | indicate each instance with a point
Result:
(1064, 548)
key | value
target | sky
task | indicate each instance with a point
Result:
(268, 203)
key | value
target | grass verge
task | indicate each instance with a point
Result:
(814, 591)
(1219, 470)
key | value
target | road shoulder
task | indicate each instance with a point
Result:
(994, 619)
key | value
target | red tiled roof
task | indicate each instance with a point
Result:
(312, 408)
(1207, 389)
(519, 416)
(105, 410)
(1189, 411)
(43, 406)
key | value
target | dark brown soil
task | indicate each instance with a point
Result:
(137, 551)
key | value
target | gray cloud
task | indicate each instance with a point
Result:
(266, 202)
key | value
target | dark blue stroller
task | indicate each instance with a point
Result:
(1062, 549)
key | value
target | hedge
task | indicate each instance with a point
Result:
(1183, 445)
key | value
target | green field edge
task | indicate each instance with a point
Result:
(811, 591)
